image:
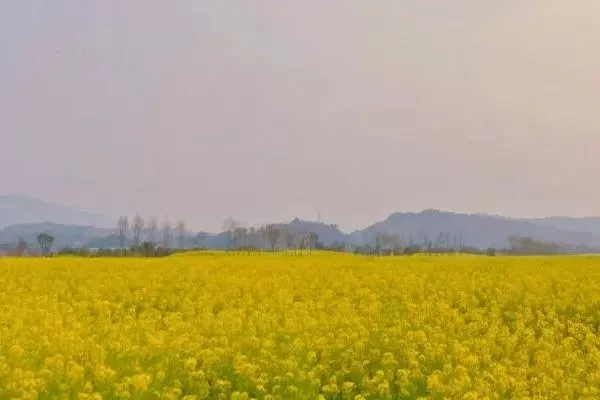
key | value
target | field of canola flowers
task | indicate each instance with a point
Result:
(300, 327)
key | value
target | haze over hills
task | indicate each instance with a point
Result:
(24, 217)
(480, 231)
(26, 210)
(586, 224)
(65, 235)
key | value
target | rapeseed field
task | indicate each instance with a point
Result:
(300, 327)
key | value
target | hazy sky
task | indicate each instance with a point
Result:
(268, 110)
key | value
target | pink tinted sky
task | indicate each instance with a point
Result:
(268, 110)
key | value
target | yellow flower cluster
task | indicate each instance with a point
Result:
(307, 327)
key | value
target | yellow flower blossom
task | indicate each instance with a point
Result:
(273, 327)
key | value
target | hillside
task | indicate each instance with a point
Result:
(480, 231)
(328, 234)
(25, 210)
(588, 224)
(23, 217)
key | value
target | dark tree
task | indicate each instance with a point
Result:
(45, 241)
(148, 249)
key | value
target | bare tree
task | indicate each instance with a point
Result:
(137, 228)
(461, 241)
(425, 242)
(438, 243)
(313, 240)
(395, 243)
(151, 228)
(240, 236)
(379, 240)
(166, 234)
(123, 228)
(289, 236)
(303, 241)
(447, 242)
(181, 233)
(273, 234)
(387, 242)
(229, 227)
(254, 239)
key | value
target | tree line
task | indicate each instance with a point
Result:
(139, 237)
(269, 237)
(43, 240)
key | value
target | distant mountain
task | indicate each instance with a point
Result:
(328, 234)
(587, 224)
(111, 241)
(479, 231)
(25, 210)
(24, 218)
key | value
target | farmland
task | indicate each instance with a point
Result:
(325, 326)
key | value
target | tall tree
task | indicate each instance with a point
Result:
(45, 241)
(304, 241)
(151, 228)
(123, 228)
(137, 228)
(461, 240)
(240, 237)
(425, 242)
(229, 227)
(380, 242)
(254, 239)
(273, 234)
(290, 236)
(397, 244)
(313, 240)
(181, 234)
(167, 234)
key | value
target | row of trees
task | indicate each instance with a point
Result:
(273, 236)
(44, 241)
(444, 242)
(521, 245)
(147, 236)
(140, 237)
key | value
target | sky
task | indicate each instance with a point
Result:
(267, 110)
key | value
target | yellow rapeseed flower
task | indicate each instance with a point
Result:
(270, 327)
